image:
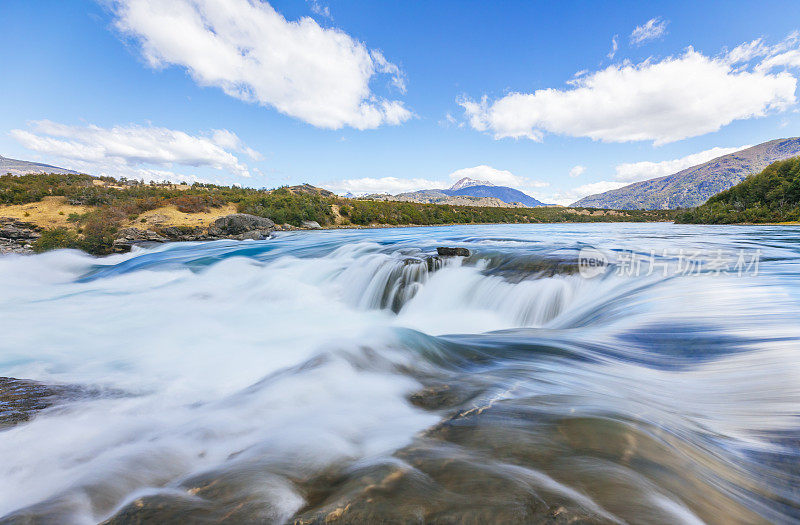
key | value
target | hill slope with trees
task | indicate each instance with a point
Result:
(770, 196)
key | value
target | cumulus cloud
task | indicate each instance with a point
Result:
(639, 171)
(136, 151)
(495, 176)
(577, 171)
(660, 101)
(650, 30)
(249, 50)
(392, 185)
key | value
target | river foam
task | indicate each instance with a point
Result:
(272, 365)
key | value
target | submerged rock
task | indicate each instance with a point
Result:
(452, 252)
(244, 495)
(241, 226)
(21, 399)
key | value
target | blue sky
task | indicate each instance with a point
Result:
(393, 96)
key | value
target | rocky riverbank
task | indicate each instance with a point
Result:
(17, 236)
(237, 226)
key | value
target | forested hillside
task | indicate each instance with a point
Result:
(770, 196)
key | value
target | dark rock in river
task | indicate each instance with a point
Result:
(241, 226)
(452, 252)
(129, 237)
(17, 236)
(519, 268)
(20, 399)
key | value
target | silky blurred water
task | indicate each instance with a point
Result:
(659, 392)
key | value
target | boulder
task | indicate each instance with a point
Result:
(17, 236)
(241, 226)
(128, 237)
(311, 225)
(184, 233)
(452, 252)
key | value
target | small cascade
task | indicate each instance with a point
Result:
(389, 282)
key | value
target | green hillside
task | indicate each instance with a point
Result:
(770, 196)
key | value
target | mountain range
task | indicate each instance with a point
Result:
(23, 167)
(695, 185)
(472, 189)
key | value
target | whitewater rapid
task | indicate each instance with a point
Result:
(277, 366)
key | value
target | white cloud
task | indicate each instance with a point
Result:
(487, 173)
(250, 51)
(614, 47)
(784, 53)
(320, 9)
(229, 140)
(652, 29)
(449, 120)
(498, 178)
(660, 101)
(577, 171)
(392, 185)
(135, 151)
(639, 171)
(571, 195)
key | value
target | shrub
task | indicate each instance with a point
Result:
(56, 238)
(196, 203)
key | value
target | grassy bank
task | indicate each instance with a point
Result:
(80, 211)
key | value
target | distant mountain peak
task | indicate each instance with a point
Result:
(466, 182)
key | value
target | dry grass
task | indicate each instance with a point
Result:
(170, 216)
(598, 213)
(50, 212)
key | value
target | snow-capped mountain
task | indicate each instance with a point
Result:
(466, 182)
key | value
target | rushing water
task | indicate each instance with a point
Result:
(350, 375)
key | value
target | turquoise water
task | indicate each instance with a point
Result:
(660, 386)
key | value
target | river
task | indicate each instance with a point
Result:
(598, 373)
